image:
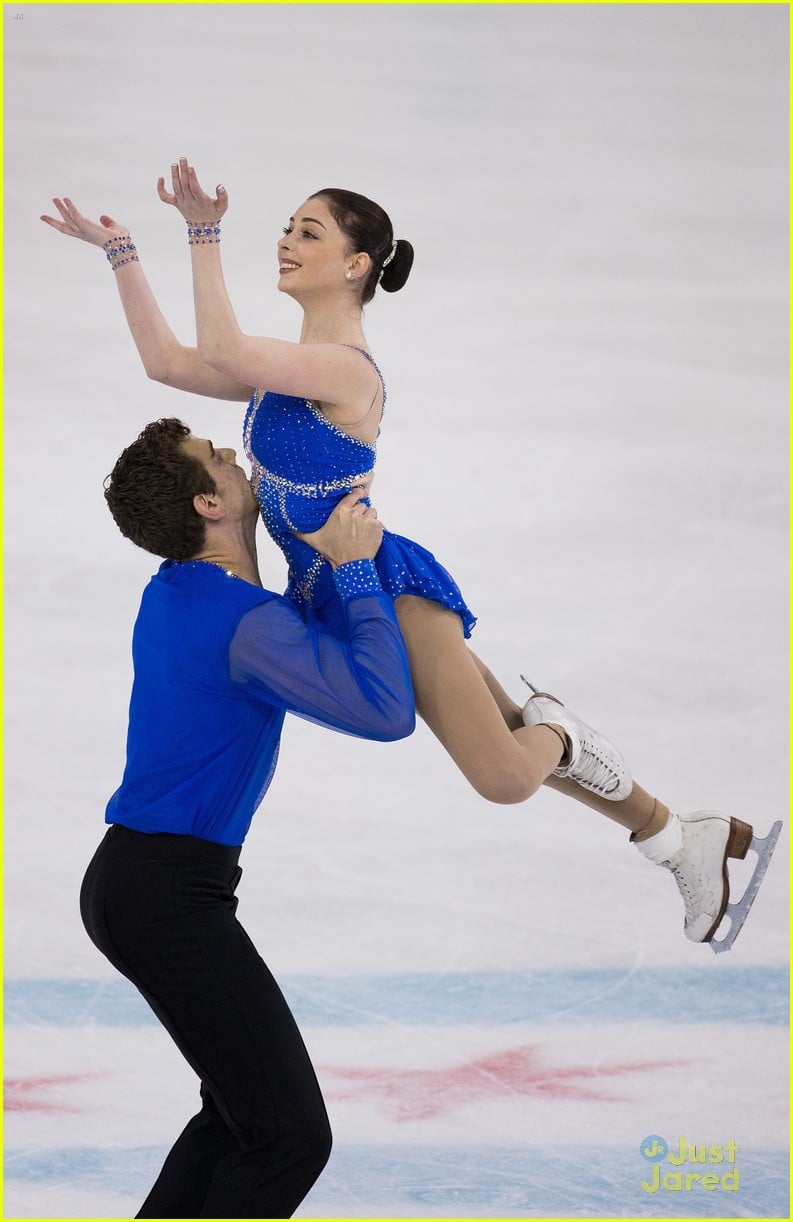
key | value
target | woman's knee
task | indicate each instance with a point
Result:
(507, 785)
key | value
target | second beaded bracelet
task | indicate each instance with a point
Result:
(199, 233)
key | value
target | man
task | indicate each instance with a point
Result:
(218, 662)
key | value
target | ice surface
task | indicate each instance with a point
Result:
(587, 417)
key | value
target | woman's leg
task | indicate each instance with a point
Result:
(502, 763)
(639, 813)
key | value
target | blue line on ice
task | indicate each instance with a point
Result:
(690, 995)
(519, 1181)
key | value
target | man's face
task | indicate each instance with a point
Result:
(232, 483)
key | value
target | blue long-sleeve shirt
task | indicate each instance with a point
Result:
(218, 663)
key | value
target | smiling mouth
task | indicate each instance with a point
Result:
(287, 266)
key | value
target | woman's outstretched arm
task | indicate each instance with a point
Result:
(164, 358)
(330, 373)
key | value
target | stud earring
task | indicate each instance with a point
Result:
(348, 275)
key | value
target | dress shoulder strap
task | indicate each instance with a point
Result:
(376, 367)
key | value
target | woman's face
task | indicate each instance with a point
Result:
(313, 254)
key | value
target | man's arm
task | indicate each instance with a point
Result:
(360, 686)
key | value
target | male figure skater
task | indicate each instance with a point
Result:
(218, 662)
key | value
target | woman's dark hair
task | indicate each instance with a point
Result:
(151, 488)
(368, 228)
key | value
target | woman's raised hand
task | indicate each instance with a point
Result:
(188, 196)
(75, 225)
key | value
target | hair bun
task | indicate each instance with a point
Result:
(398, 270)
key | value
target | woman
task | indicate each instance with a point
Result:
(313, 419)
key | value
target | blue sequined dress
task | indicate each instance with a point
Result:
(301, 466)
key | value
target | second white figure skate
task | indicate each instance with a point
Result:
(696, 849)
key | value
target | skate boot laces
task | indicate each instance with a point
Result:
(686, 890)
(699, 868)
(592, 762)
(598, 766)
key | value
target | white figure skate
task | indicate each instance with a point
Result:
(695, 848)
(591, 761)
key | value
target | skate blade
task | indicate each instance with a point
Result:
(535, 691)
(738, 912)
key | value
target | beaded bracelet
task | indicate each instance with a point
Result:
(199, 233)
(120, 251)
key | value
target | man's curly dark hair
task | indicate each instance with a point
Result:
(151, 488)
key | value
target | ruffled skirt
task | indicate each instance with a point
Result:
(404, 567)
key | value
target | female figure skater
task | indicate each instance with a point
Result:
(310, 431)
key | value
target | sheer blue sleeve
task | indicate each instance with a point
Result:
(360, 686)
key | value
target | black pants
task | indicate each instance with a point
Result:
(162, 909)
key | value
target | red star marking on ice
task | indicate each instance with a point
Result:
(23, 1094)
(416, 1094)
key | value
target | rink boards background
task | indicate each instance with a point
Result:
(587, 424)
